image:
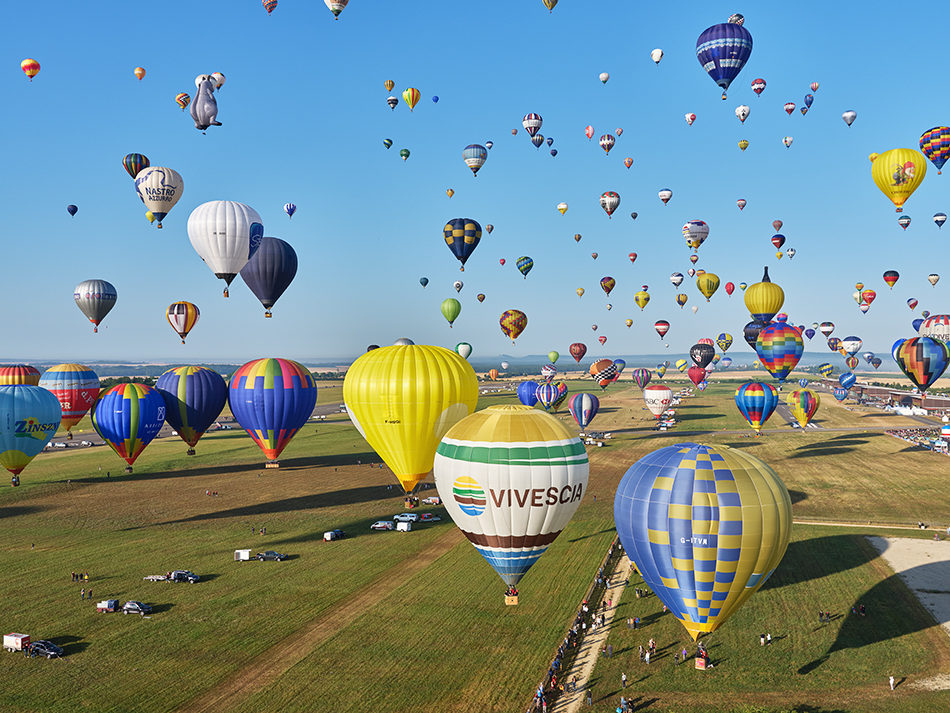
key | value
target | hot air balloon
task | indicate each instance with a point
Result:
(751, 332)
(532, 123)
(290, 208)
(393, 102)
(462, 236)
(272, 399)
(474, 156)
(579, 291)
(764, 299)
(642, 298)
(194, 398)
(269, 5)
(789, 108)
(72, 209)
(602, 340)
(851, 345)
(707, 284)
(603, 372)
(489, 228)
(553, 356)
(75, 386)
(868, 296)
(756, 402)
(695, 233)
(834, 344)
(778, 241)
(808, 100)
(389, 84)
(724, 340)
(95, 299)
(451, 309)
(607, 284)
(935, 145)
(779, 346)
(13, 374)
(809, 333)
(528, 392)
(183, 100)
(562, 208)
(656, 55)
(524, 265)
(225, 234)
(803, 403)
(742, 113)
(513, 504)
(742, 203)
(134, 163)
(722, 51)
(658, 398)
(463, 349)
(607, 142)
(897, 173)
(548, 372)
(876, 362)
(791, 252)
(632, 257)
(159, 188)
(641, 377)
(537, 140)
(182, 316)
(583, 408)
(458, 285)
(30, 68)
(512, 323)
(690, 118)
(681, 300)
(825, 369)
(578, 350)
(676, 279)
(609, 202)
(758, 86)
(423, 281)
(851, 362)
(547, 395)
(681, 550)
(662, 327)
(788, 141)
(628, 162)
(933, 278)
(665, 195)
(492, 374)
(589, 132)
(840, 393)
(29, 418)
(403, 399)
(904, 221)
(139, 72)
(411, 96)
(826, 328)
(701, 354)
(128, 417)
(922, 359)
(936, 326)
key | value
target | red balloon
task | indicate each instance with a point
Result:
(578, 351)
(602, 340)
(633, 257)
(502, 261)
(730, 288)
(777, 224)
(696, 374)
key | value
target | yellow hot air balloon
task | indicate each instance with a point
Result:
(562, 207)
(402, 399)
(859, 286)
(898, 173)
(764, 299)
(150, 216)
(743, 144)
(707, 283)
(389, 84)
(411, 96)
(580, 291)
(873, 156)
(779, 254)
(450, 192)
(642, 298)
(628, 322)
(139, 73)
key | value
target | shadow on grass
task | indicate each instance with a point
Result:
(592, 534)
(892, 611)
(17, 510)
(70, 644)
(797, 496)
(819, 557)
(161, 608)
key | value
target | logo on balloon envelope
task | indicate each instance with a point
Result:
(32, 428)
(469, 495)
(257, 235)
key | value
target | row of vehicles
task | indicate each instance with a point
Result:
(404, 517)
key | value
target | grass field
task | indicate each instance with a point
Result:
(393, 621)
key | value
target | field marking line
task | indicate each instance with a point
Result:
(592, 644)
(268, 666)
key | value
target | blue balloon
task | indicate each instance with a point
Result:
(423, 281)
(723, 50)
(803, 382)
(270, 271)
(71, 209)
(809, 98)
(550, 141)
(621, 365)
(547, 395)
(583, 408)
(847, 379)
(435, 99)
(809, 332)
(916, 323)
(554, 152)
(528, 392)
(462, 235)
(128, 417)
(194, 398)
(840, 393)
(29, 417)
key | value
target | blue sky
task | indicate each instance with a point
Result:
(304, 115)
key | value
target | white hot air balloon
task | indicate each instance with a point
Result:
(463, 349)
(219, 79)
(562, 207)
(849, 117)
(788, 141)
(791, 252)
(940, 219)
(159, 188)
(511, 478)
(504, 366)
(458, 285)
(677, 279)
(665, 195)
(933, 278)
(604, 76)
(656, 55)
(742, 112)
(225, 234)
(658, 398)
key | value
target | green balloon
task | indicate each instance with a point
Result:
(553, 356)
(404, 153)
(451, 309)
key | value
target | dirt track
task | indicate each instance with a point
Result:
(268, 666)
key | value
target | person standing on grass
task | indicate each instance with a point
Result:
(590, 696)
(892, 682)
(761, 639)
(610, 651)
(768, 639)
(647, 657)
(623, 679)
(82, 593)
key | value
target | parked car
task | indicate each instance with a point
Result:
(45, 648)
(183, 575)
(429, 517)
(331, 535)
(132, 607)
(271, 555)
(383, 525)
(406, 517)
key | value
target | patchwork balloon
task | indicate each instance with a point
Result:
(803, 403)
(923, 360)
(756, 402)
(780, 347)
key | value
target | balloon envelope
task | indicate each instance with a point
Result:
(194, 398)
(95, 299)
(583, 408)
(706, 526)
(528, 392)
(756, 402)
(128, 417)
(225, 234)
(29, 417)
(270, 271)
(75, 386)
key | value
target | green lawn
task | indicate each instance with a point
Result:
(440, 639)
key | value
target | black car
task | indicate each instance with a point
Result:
(271, 555)
(45, 648)
(183, 575)
(136, 608)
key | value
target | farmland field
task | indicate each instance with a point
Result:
(399, 621)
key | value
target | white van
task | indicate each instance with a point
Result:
(403, 527)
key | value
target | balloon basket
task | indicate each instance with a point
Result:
(69, 436)
(511, 601)
(268, 314)
(128, 469)
(700, 663)
(190, 452)
(272, 464)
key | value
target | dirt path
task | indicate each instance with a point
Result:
(592, 644)
(265, 668)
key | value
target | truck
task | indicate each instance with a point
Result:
(16, 642)
(108, 605)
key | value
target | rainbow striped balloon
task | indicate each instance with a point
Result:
(756, 402)
(12, 374)
(128, 417)
(779, 346)
(272, 400)
(803, 403)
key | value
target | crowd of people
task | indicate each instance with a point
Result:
(928, 438)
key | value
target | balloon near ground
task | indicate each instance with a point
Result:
(403, 399)
(128, 417)
(706, 527)
(75, 386)
(756, 402)
(511, 478)
(29, 417)
(583, 408)
(803, 403)
(658, 398)
(194, 398)
(11, 374)
(272, 400)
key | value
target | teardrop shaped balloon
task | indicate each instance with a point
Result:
(194, 398)
(756, 402)
(29, 418)
(225, 234)
(270, 271)
(95, 299)
(75, 386)
(513, 323)
(134, 163)
(182, 316)
(128, 417)
(159, 188)
(923, 360)
(898, 173)
(722, 51)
